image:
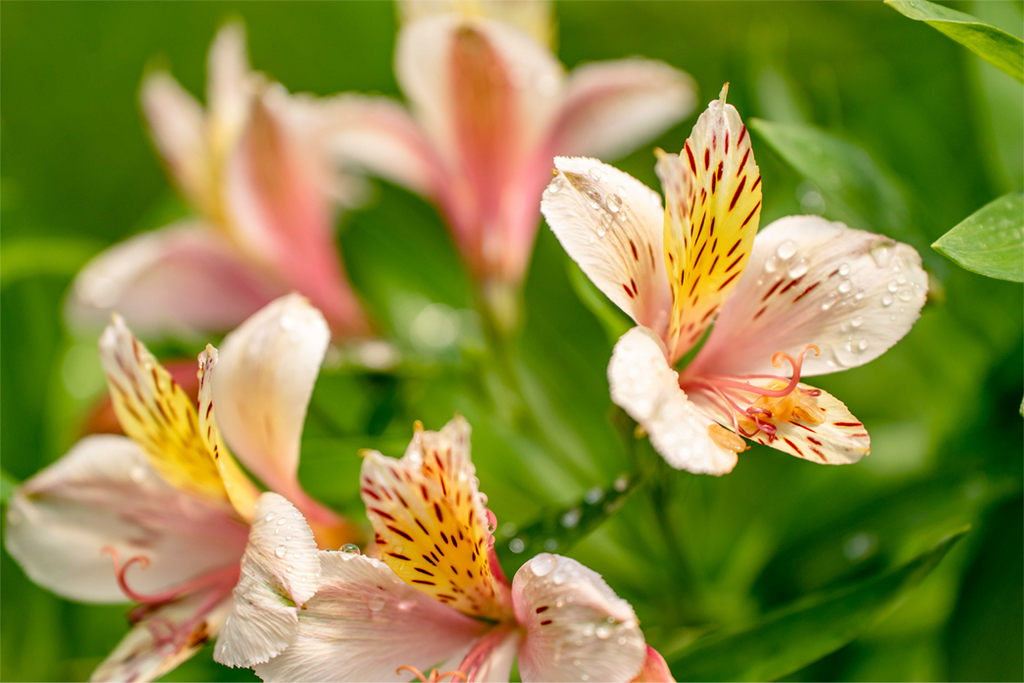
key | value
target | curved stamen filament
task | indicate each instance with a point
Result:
(434, 675)
(777, 359)
(227, 576)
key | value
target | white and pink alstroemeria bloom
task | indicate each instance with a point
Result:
(806, 293)
(161, 516)
(436, 597)
(489, 107)
(261, 186)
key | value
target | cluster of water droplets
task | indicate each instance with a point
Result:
(784, 263)
(286, 527)
(608, 207)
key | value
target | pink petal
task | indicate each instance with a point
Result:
(655, 669)
(365, 622)
(854, 294)
(280, 573)
(646, 387)
(104, 493)
(182, 280)
(611, 108)
(611, 225)
(577, 629)
(280, 213)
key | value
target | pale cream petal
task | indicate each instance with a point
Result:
(104, 493)
(611, 225)
(265, 376)
(655, 669)
(852, 293)
(577, 629)
(230, 85)
(644, 385)
(533, 17)
(365, 622)
(280, 573)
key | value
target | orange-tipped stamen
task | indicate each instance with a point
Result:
(434, 675)
(227, 576)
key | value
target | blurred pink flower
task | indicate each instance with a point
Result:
(438, 594)
(170, 497)
(804, 291)
(489, 107)
(263, 194)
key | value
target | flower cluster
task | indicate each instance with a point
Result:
(164, 516)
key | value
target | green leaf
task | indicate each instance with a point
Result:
(7, 486)
(613, 320)
(559, 529)
(857, 190)
(995, 46)
(35, 256)
(798, 635)
(990, 241)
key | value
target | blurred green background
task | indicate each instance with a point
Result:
(942, 132)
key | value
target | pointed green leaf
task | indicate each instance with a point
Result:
(559, 529)
(798, 635)
(990, 241)
(995, 46)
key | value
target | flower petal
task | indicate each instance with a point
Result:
(176, 124)
(613, 107)
(644, 385)
(280, 571)
(611, 225)
(533, 17)
(577, 629)
(655, 669)
(363, 623)
(854, 294)
(265, 376)
(151, 649)
(178, 281)
(430, 521)
(104, 493)
(240, 491)
(157, 414)
(230, 84)
(713, 205)
(278, 210)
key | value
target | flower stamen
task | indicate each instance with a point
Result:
(227, 576)
(432, 677)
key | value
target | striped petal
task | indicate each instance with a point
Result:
(713, 204)
(611, 225)
(430, 521)
(852, 293)
(577, 629)
(645, 386)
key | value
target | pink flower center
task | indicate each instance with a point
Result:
(754, 408)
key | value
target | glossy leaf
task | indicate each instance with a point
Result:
(995, 46)
(796, 636)
(559, 529)
(990, 241)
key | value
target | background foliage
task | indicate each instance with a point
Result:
(866, 116)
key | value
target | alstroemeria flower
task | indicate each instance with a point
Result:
(252, 169)
(437, 596)
(804, 292)
(490, 107)
(169, 497)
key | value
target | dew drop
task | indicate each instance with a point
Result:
(350, 549)
(270, 517)
(771, 265)
(594, 173)
(282, 521)
(614, 203)
(887, 299)
(138, 474)
(892, 286)
(603, 632)
(858, 295)
(798, 268)
(289, 569)
(288, 537)
(621, 640)
(588, 630)
(281, 551)
(287, 321)
(829, 301)
(857, 321)
(559, 577)
(555, 186)
(862, 345)
(786, 250)
(376, 603)
(882, 253)
(542, 565)
(845, 286)
(844, 269)
(905, 295)
(516, 545)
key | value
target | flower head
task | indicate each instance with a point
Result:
(803, 297)
(162, 516)
(437, 597)
(254, 173)
(489, 106)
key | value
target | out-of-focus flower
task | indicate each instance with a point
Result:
(263, 192)
(802, 286)
(170, 497)
(489, 109)
(438, 594)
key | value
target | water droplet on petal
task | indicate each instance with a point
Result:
(614, 203)
(892, 286)
(786, 250)
(559, 577)
(281, 551)
(829, 300)
(882, 253)
(857, 321)
(542, 565)
(138, 474)
(887, 299)
(282, 521)
(771, 265)
(556, 185)
(844, 269)
(905, 295)
(270, 517)
(350, 549)
(798, 268)
(862, 345)
(845, 286)
(603, 632)
(376, 603)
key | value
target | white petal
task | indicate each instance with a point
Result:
(176, 123)
(854, 294)
(365, 622)
(265, 376)
(139, 658)
(577, 629)
(611, 225)
(280, 573)
(179, 281)
(230, 82)
(612, 107)
(104, 493)
(533, 17)
(376, 135)
(644, 385)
